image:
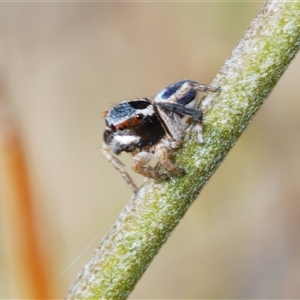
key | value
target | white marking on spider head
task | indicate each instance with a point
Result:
(126, 139)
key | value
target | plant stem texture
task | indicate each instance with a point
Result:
(246, 79)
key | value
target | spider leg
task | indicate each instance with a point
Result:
(184, 101)
(139, 165)
(161, 153)
(193, 113)
(118, 166)
(203, 87)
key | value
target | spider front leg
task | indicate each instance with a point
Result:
(161, 153)
(118, 166)
(139, 165)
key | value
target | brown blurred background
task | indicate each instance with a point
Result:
(61, 66)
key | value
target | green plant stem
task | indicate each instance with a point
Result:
(246, 79)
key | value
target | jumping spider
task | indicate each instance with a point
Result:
(149, 128)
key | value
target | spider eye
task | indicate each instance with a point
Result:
(139, 117)
(139, 104)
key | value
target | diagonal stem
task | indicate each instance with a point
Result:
(246, 79)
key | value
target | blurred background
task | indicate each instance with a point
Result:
(61, 66)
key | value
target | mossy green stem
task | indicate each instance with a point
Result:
(246, 79)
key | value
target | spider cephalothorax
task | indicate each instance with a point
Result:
(149, 128)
